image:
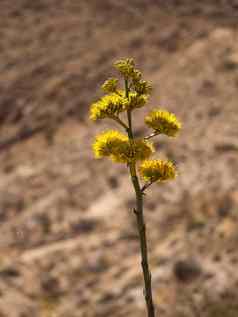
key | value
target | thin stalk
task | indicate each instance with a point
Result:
(117, 119)
(140, 223)
(151, 135)
(130, 132)
(143, 243)
(147, 185)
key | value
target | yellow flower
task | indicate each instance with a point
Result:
(136, 101)
(157, 170)
(110, 85)
(126, 67)
(138, 150)
(142, 87)
(118, 147)
(107, 143)
(108, 106)
(136, 75)
(143, 149)
(163, 122)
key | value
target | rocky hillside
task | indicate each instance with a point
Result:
(68, 237)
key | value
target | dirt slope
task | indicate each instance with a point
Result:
(68, 240)
(53, 55)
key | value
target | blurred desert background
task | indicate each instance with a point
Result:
(68, 237)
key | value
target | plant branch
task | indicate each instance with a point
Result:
(118, 120)
(130, 132)
(143, 243)
(147, 185)
(151, 135)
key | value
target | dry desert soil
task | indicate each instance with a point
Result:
(68, 238)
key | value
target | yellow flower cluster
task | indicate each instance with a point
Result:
(142, 87)
(107, 142)
(123, 148)
(117, 101)
(163, 122)
(110, 85)
(108, 106)
(157, 170)
(126, 67)
(136, 100)
(119, 148)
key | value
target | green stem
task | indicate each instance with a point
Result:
(151, 135)
(117, 119)
(143, 243)
(146, 186)
(140, 223)
(130, 132)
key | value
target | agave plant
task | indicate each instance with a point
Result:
(119, 105)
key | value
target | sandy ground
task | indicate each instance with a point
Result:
(68, 236)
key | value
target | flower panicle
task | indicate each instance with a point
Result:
(126, 67)
(142, 87)
(111, 105)
(157, 170)
(107, 142)
(117, 101)
(142, 149)
(116, 145)
(136, 100)
(110, 85)
(118, 148)
(108, 106)
(163, 122)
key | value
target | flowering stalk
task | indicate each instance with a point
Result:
(141, 224)
(125, 148)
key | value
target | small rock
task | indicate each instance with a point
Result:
(113, 182)
(84, 226)
(50, 286)
(187, 270)
(9, 272)
(231, 62)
